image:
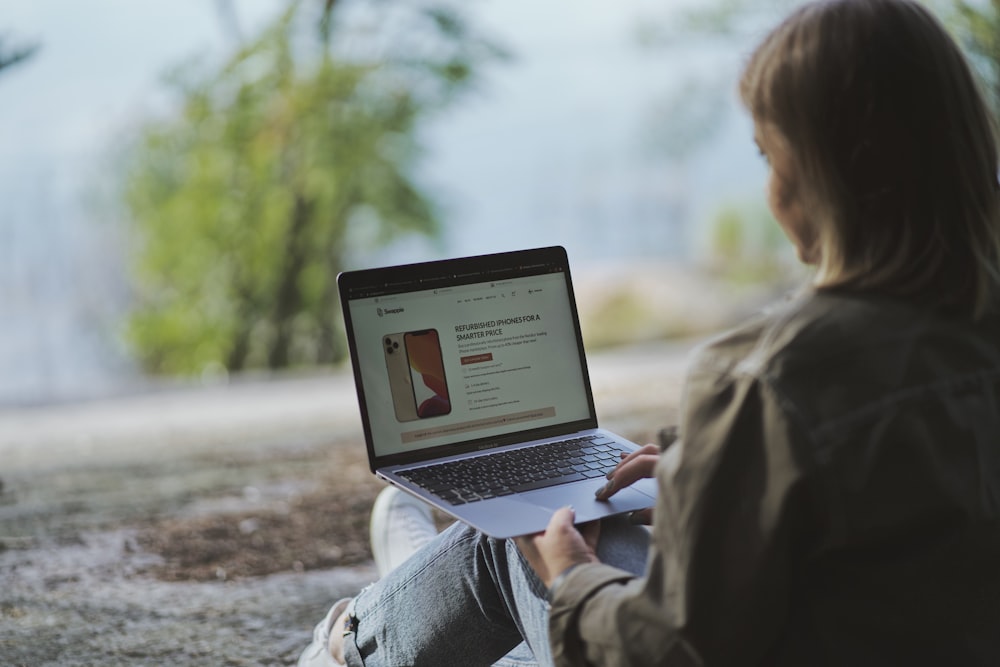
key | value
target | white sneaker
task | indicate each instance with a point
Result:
(400, 525)
(317, 654)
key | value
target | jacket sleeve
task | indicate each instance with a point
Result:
(728, 523)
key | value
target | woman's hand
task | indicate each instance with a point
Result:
(561, 546)
(634, 466)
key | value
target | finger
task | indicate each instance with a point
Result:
(638, 468)
(627, 459)
(631, 456)
(561, 521)
(645, 449)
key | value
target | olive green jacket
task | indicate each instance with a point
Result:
(836, 502)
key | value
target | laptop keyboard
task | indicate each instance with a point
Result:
(519, 470)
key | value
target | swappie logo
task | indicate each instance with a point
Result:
(388, 311)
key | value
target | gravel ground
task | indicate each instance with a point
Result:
(212, 526)
(125, 566)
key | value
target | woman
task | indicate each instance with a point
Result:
(838, 491)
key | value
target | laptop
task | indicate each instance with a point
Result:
(474, 391)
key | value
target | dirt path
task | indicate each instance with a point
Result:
(211, 526)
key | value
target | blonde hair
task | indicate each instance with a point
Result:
(896, 149)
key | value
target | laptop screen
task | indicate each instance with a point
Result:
(465, 351)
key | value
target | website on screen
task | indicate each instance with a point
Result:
(444, 365)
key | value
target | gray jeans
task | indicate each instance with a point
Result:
(468, 599)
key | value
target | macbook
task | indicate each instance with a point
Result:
(474, 392)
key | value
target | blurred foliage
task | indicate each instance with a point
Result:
(247, 203)
(626, 315)
(748, 246)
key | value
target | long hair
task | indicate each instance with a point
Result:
(896, 149)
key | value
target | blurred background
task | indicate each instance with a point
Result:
(180, 183)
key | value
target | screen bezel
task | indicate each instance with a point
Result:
(384, 281)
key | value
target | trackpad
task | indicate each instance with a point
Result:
(586, 506)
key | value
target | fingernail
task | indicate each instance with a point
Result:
(605, 490)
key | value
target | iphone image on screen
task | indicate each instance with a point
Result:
(400, 378)
(430, 388)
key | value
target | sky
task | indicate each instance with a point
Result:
(100, 66)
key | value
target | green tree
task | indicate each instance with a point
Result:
(248, 202)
